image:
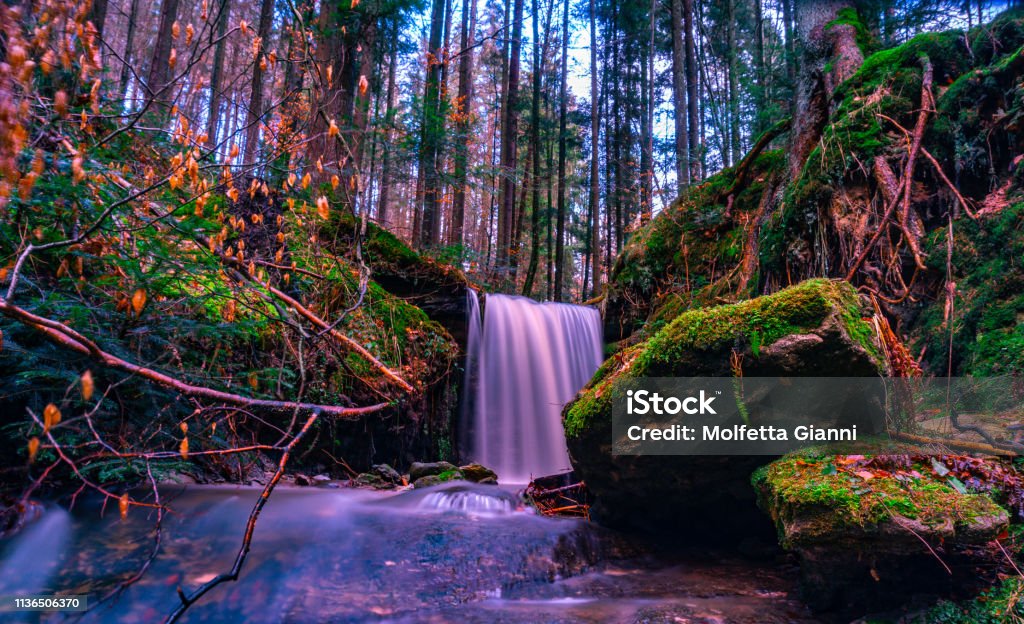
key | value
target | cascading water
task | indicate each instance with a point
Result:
(529, 360)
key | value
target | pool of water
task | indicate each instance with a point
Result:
(453, 553)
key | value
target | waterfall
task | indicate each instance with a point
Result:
(525, 362)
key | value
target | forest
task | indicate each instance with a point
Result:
(329, 311)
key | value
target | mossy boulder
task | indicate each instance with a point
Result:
(478, 473)
(811, 329)
(870, 537)
(424, 469)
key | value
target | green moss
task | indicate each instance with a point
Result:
(1002, 604)
(810, 489)
(848, 16)
(699, 341)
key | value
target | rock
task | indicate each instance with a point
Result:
(488, 481)
(423, 469)
(321, 478)
(861, 543)
(372, 480)
(811, 329)
(437, 479)
(302, 480)
(387, 473)
(478, 474)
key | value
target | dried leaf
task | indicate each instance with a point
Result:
(322, 207)
(87, 385)
(33, 449)
(332, 130)
(364, 84)
(51, 417)
(122, 505)
(183, 449)
(139, 301)
(184, 427)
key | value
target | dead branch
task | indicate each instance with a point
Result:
(915, 146)
(232, 575)
(66, 337)
(742, 170)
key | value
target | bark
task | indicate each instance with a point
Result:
(159, 69)
(509, 135)
(828, 55)
(465, 110)
(129, 45)
(531, 270)
(432, 128)
(386, 165)
(692, 88)
(98, 16)
(254, 116)
(733, 78)
(563, 104)
(595, 129)
(679, 97)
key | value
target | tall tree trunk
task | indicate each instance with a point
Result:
(647, 155)
(98, 16)
(217, 73)
(679, 97)
(432, 130)
(595, 130)
(509, 136)
(389, 116)
(692, 88)
(829, 55)
(761, 73)
(531, 271)
(159, 68)
(733, 98)
(465, 110)
(254, 116)
(563, 103)
(129, 45)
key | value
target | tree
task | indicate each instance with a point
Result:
(465, 112)
(509, 138)
(595, 128)
(254, 116)
(219, 35)
(159, 67)
(679, 97)
(432, 131)
(563, 98)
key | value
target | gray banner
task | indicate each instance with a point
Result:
(778, 415)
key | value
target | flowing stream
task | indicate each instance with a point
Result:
(455, 553)
(526, 361)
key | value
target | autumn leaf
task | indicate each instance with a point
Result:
(33, 449)
(305, 181)
(172, 60)
(87, 385)
(183, 426)
(175, 30)
(234, 151)
(244, 27)
(139, 301)
(364, 84)
(332, 131)
(122, 506)
(229, 311)
(183, 448)
(335, 181)
(322, 207)
(51, 417)
(189, 33)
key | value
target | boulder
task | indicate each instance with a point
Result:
(423, 469)
(811, 329)
(372, 480)
(437, 479)
(870, 538)
(478, 473)
(387, 473)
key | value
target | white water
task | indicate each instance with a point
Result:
(530, 360)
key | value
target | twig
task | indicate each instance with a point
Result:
(250, 527)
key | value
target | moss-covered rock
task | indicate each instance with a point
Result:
(812, 329)
(869, 538)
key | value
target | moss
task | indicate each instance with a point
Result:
(849, 17)
(811, 490)
(698, 340)
(1002, 604)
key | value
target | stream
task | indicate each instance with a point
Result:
(452, 553)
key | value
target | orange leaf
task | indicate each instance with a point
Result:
(322, 207)
(33, 449)
(139, 301)
(51, 417)
(87, 385)
(364, 84)
(183, 449)
(122, 505)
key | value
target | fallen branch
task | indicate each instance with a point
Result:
(915, 147)
(742, 170)
(68, 338)
(232, 575)
(963, 445)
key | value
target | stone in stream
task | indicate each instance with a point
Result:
(813, 329)
(478, 474)
(874, 536)
(423, 469)
(387, 473)
(437, 479)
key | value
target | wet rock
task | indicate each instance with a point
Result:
(372, 480)
(320, 479)
(436, 479)
(813, 329)
(423, 469)
(302, 480)
(387, 473)
(478, 473)
(872, 541)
